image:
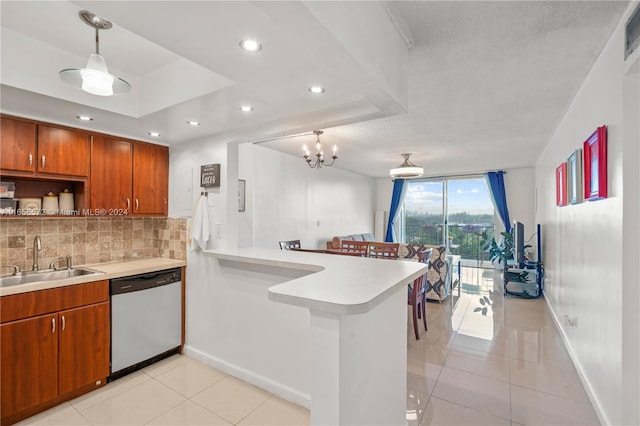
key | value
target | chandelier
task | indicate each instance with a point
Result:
(319, 161)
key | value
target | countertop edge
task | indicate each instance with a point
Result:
(108, 270)
(305, 295)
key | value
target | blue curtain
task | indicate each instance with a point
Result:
(397, 198)
(499, 195)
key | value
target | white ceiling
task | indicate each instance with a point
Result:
(464, 86)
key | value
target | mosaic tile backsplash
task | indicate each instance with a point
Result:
(91, 240)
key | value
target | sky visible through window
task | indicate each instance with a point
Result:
(468, 195)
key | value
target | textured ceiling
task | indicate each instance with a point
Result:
(464, 86)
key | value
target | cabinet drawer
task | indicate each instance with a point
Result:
(24, 305)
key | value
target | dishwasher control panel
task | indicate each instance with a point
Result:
(144, 281)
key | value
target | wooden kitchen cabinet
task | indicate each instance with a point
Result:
(121, 176)
(150, 179)
(18, 141)
(62, 151)
(55, 346)
(111, 173)
(29, 363)
(83, 346)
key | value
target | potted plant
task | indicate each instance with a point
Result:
(502, 251)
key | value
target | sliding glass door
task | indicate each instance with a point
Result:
(454, 212)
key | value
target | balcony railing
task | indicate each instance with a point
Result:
(464, 240)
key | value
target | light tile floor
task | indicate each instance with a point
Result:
(485, 360)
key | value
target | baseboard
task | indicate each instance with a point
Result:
(576, 363)
(265, 383)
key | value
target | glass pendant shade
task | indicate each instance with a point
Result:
(95, 78)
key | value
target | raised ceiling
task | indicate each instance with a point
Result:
(464, 86)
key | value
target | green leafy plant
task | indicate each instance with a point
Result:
(502, 251)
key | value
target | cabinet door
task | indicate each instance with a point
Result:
(150, 178)
(18, 142)
(83, 353)
(62, 151)
(111, 173)
(29, 372)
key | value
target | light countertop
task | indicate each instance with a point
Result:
(343, 285)
(107, 271)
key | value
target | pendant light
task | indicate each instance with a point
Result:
(95, 78)
(406, 170)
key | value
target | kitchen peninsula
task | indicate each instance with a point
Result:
(335, 340)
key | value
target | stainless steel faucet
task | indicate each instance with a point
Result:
(55, 263)
(37, 246)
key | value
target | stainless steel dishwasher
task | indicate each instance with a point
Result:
(146, 320)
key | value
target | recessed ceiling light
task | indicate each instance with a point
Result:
(154, 134)
(316, 90)
(193, 123)
(84, 117)
(246, 108)
(250, 45)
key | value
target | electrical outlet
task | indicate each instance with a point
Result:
(570, 321)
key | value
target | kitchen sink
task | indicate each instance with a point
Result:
(45, 275)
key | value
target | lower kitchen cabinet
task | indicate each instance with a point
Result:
(83, 347)
(50, 358)
(29, 363)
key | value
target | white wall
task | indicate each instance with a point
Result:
(583, 243)
(286, 200)
(520, 188)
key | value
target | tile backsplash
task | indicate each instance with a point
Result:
(91, 240)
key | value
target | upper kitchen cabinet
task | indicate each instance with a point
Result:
(150, 179)
(18, 141)
(63, 151)
(111, 173)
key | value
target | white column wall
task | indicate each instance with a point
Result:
(583, 243)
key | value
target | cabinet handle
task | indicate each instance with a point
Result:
(64, 323)
(43, 161)
(53, 325)
(137, 204)
(128, 204)
(30, 159)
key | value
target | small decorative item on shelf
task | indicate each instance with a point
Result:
(30, 206)
(8, 206)
(7, 189)
(66, 203)
(50, 204)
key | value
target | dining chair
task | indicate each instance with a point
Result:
(417, 295)
(288, 245)
(383, 250)
(359, 247)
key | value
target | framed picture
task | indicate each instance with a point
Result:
(210, 176)
(595, 165)
(242, 188)
(574, 177)
(561, 185)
